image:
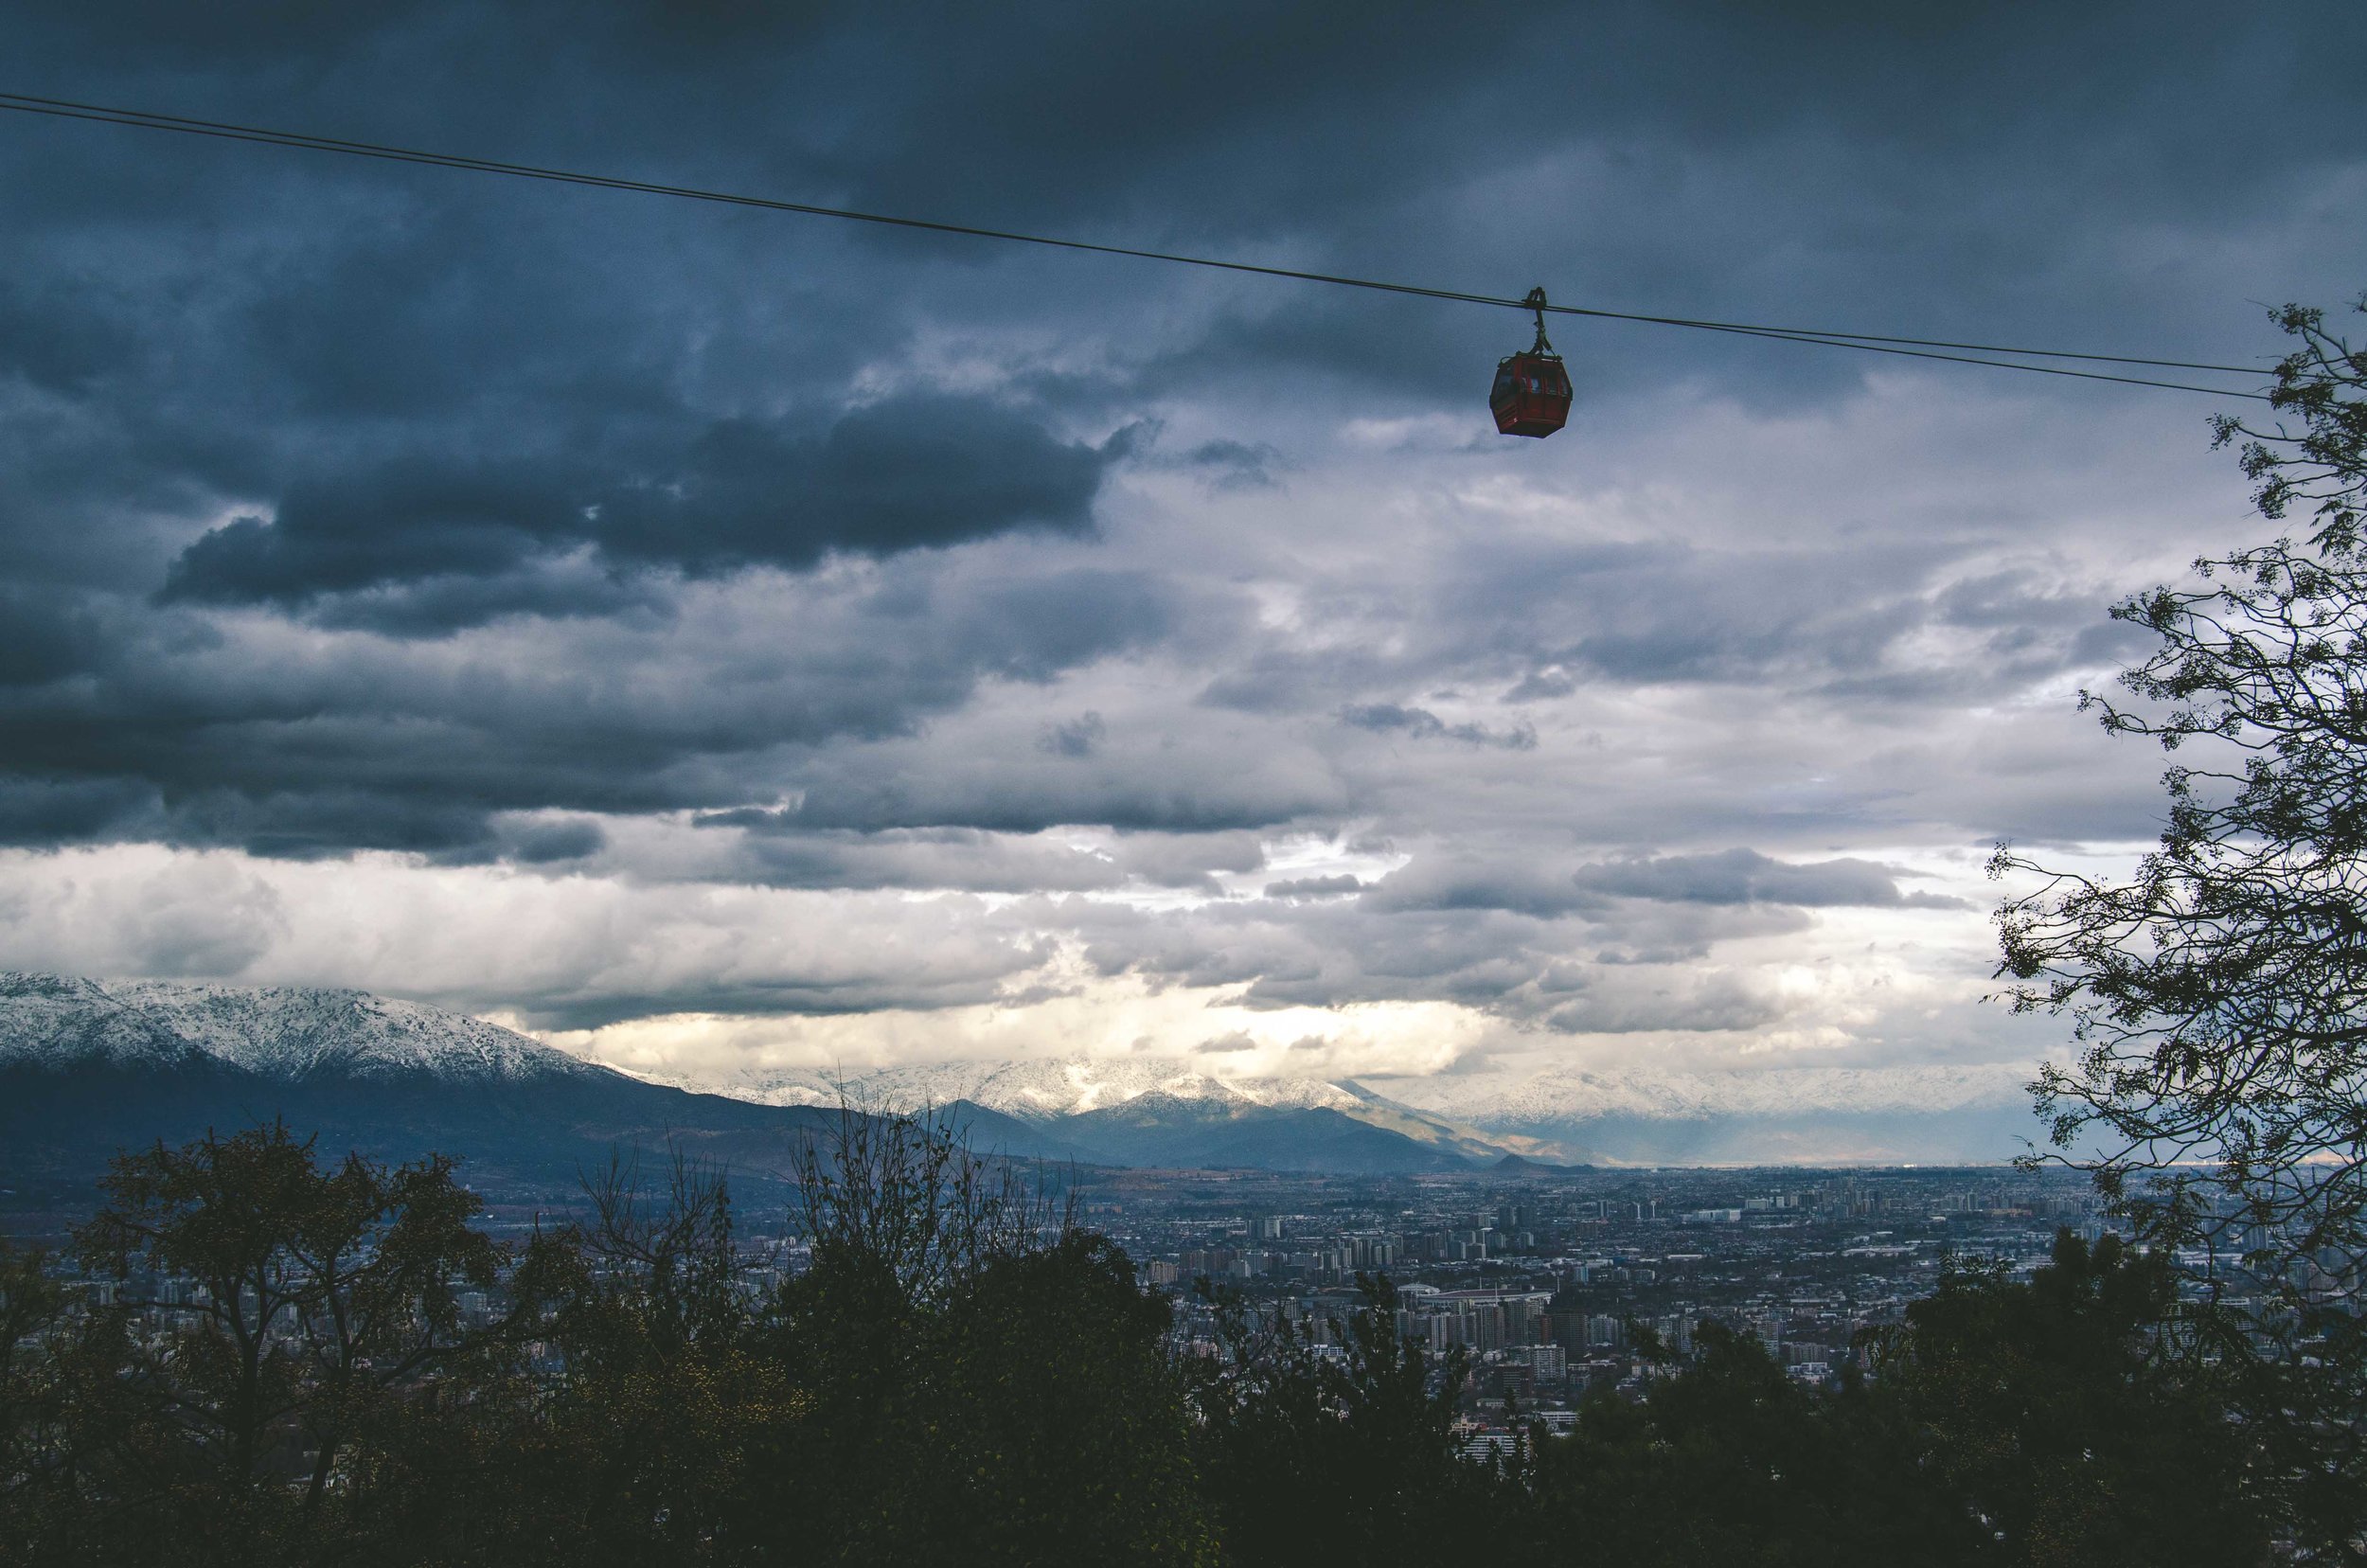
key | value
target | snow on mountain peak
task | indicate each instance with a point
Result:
(1034, 1090)
(283, 1032)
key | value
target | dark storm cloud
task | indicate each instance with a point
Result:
(542, 842)
(1075, 736)
(1421, 724)
(784, 851)
(1745, 876)
(1188, 860)
(1331, 951)
(44, 812)
(400, 523)
(1546, 886)
(213, 736)
(910, 472)
(1121, 799)
(1525, 885)
(1314, 887)
(344, 506)
(936, 859)
(576, 586)
(907, 473)
(1239, 465)
(42, 637)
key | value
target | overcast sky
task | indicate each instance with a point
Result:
(717, 637)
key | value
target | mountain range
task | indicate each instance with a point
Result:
(1161, 1111)
(1931, 1115)
(1927, 1114)
(90, 1066)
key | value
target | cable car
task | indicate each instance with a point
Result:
(1532, 392)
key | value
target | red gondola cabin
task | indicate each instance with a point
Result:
(1532, 392)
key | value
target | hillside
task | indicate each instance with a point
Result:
(88, 1067)
(1162, 1111)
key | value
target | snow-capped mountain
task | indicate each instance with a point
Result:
(88, 1067)
(1083, 1097)
(1037, 1090)
(1927, 1114)
(279, 1032)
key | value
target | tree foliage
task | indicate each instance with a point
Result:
(307, 1305)
(1313, 1450)
(2021, 1425)
(964, 1375)
(2219, 997)
(2065, 1424)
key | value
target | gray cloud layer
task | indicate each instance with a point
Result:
(346, 508)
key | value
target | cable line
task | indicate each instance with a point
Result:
(1864, 342)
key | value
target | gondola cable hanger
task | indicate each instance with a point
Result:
(1528, 408)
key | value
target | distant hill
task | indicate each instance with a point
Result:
(1165, 1112)
(1521, 1164)
(1927, 1114)
(1171, 1130)
(88, 1067)
(1939, 1113)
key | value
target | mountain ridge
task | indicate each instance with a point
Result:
(87, 1066)
(275, 1031)
(396, 1076)
(1070, 1092)
(1930, 1114)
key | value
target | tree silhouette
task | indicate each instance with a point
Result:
(1311, 1450)
(2070, 1420)
(964, 1375)
(299, 1307)
(2219, 997)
